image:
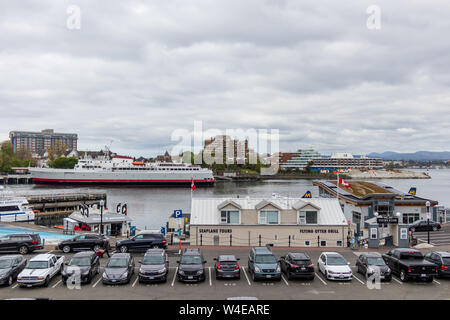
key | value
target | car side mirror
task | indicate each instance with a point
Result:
(178, 261)
(140, 261)
(133, 239)
(204, 261)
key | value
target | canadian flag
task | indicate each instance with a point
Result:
(344, 183)
(192, 184)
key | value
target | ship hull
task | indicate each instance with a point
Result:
(71, 177)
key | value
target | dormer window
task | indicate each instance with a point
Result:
(307, 217)
(229, 217)
(269, 217)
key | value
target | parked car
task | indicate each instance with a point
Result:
(191, 266)
(154, 266)
(227, 266)
(87, 241)
(422, 225)
(10, 267)
(84, 264)
(21, 242)
(369, 264)
(334, 266)
(119, 269)
(297, 265)
(142, 242)
(262, 264)
(410, 263)
(40, 270)
(442, 260)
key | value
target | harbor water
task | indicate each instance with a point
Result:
(150, 207)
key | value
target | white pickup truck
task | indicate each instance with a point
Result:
(40, 270)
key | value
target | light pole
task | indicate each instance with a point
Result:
(428, 219)
(102, 203)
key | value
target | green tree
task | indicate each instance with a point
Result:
(64, 163)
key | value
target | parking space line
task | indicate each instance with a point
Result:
(210, 281)
(354, 276)
(95, 284)
(15, 286)
(397, 280)
(320, 278)
(174, 276)
(56, 284)
(284, 280)
(436, 281)
(245, 273)
(134, 283)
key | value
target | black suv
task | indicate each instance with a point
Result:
(154, 266)
(87, 241)
(21, 242)
(10, 267)
(442, 260)
(297, 265)
(142, 242)
(191, 267)
(82, 264)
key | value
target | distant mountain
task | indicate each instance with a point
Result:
(417, 156)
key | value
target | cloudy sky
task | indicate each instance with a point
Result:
(135, 71)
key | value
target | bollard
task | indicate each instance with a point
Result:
(231, 241)
(318, 241)
(289, 241)
(260, 240)
(201, 239)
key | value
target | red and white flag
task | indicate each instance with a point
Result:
(344, 183)
(192, 184)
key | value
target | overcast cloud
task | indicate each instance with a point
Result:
(137, 70)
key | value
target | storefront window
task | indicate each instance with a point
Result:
(409, 218)
(268, 217)
(229, 217)
(307, 217)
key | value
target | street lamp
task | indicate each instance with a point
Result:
(102, 203)
(428, 219)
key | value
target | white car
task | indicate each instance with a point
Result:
(40, 270)
(334, 266)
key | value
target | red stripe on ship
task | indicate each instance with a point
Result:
(104, 180)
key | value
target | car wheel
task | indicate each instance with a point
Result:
(61, 269)
(253, 277)
(97, 248)
(10, 280)
(66, 249)
(403, 276)
(288, 275)
(23, 250)
(47, 281)
(123, 249)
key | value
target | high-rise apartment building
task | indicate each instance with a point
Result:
(37, 142)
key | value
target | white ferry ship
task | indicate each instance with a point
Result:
(120, 170)
(14, 208)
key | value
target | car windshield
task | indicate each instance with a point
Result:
(117, 263)
(80, 261)
(375, 261)
(336, 261)
(37, 265)
(6, 263)
(268, 258)
(191, 260)
(153, 260)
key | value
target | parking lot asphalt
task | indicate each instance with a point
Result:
(218, 289)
